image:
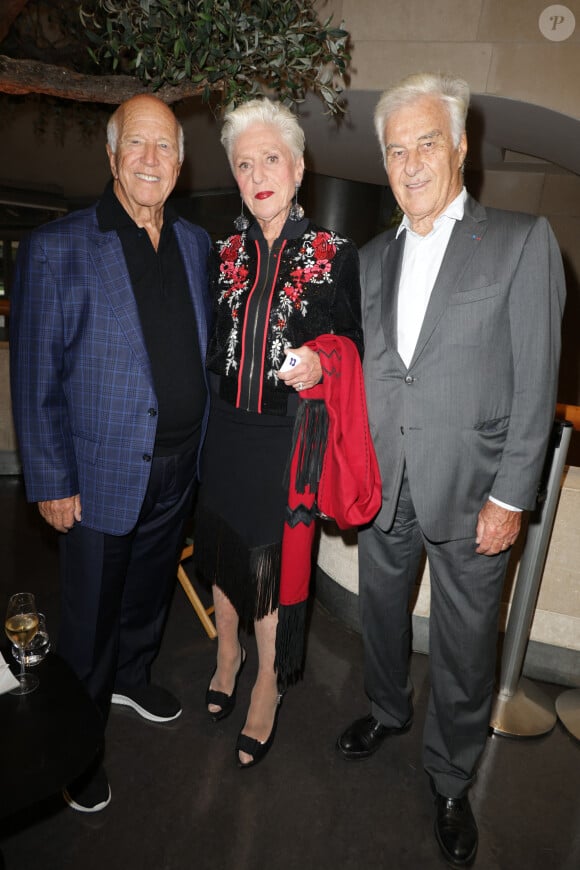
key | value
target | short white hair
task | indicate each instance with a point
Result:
(262, 111)
(113, 134)
(451, 90)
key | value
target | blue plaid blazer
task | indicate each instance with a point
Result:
(82, 389)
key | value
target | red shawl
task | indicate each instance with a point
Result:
(334, 473)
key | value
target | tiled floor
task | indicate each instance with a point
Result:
(180, 803)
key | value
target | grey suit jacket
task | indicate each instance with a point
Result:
(472, 414)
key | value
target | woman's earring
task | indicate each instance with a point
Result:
(296, 212)
(242, 223)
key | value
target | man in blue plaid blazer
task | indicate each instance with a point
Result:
(109, 325)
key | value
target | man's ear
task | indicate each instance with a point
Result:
(462, 149)
(112, 161)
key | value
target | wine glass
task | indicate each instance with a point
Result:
(21, 625)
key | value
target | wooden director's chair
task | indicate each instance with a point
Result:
(202, 612)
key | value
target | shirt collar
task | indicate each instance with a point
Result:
(112, 216)
(455, 211)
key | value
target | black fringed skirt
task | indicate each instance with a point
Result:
(241, 507)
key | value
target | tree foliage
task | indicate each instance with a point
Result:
(106, 50)
(240, 48)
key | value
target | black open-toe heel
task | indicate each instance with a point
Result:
(220, 699)
(256, 748)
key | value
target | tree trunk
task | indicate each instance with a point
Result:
(33, 77)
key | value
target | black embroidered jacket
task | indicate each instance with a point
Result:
(307, 285)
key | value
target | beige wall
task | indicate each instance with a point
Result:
(496, 45)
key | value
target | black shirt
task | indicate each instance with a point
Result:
(167, 318)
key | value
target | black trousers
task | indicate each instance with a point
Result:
(465, 598)
(116, 590)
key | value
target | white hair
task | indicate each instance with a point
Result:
(113, 133)
(452, 91)
(262, 111)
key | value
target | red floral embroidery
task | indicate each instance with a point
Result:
(323, 248)
(235, 276)
(317, 255)
(229, 253)
(233, 284)
(295, 292)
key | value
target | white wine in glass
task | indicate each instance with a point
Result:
(21, 625)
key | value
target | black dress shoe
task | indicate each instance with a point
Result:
(456, 830)
(365, 736)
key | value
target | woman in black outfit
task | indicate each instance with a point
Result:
(278, 282)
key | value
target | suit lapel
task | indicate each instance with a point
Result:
(195, 270)
(391, 262)
(111, 268)
(465, 238)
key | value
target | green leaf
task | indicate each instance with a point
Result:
(244, 45)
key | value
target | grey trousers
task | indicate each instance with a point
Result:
(465, 598)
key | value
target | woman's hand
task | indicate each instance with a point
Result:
(304, 374)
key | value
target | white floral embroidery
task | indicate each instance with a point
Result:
(311, 265)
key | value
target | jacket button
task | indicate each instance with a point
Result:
(409, 379)
(146, 457)
(152, 412)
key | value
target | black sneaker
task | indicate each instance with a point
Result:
(150, 702)
(90, 793)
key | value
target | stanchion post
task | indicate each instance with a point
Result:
(520, 709)
(568, 710)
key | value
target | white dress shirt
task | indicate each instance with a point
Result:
(421, 263)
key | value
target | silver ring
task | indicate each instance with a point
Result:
(300, 385)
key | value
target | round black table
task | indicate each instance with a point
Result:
(47, 738)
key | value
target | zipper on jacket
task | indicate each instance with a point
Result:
(252, 324)
(255, 328)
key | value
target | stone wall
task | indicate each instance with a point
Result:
(497, 46)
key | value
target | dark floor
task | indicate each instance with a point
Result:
(179, 801)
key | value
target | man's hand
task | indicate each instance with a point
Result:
(497, 529)
(61, 513)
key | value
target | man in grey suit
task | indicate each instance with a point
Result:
(462, 309)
